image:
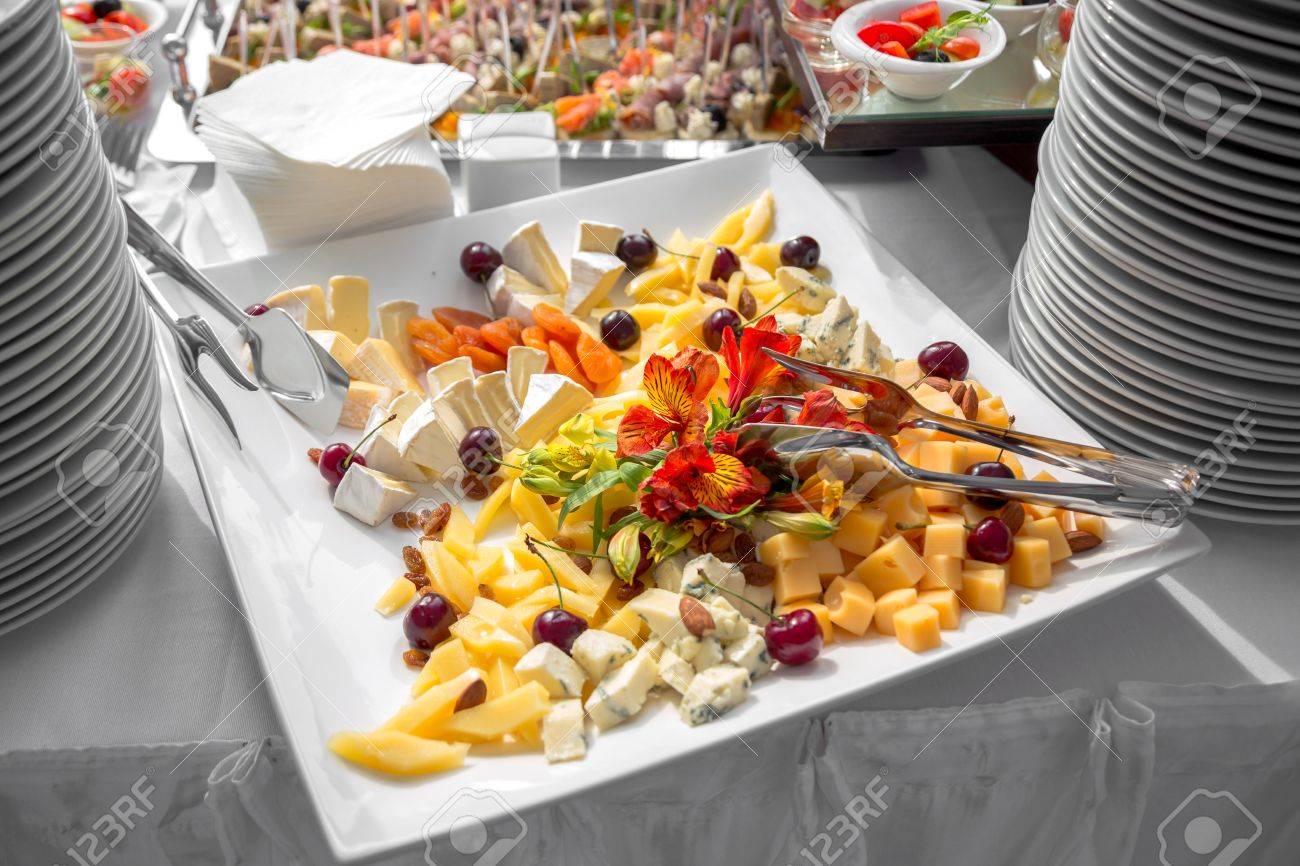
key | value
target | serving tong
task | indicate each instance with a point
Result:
(1131, 486)
(287, 363)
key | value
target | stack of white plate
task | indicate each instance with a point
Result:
(79, 419)
(1158, 296)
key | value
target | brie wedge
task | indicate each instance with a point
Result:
(529, 253)
(370, 496)
(377, 361)
(494, 396)
(361, 398)
(393, 318)
(522, 362)
(596, 237)
(403, 406)
(426, 441)
(511, 294)
(306, 306)
(461, 397)
(594, 275)
(447, 373)
(348, 307)
(551, 400)
(380, 450)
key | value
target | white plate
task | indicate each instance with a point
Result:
(308, 576)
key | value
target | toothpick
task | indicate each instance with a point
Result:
(640, 28)
(423, 8)
(726, 38)
(446, 12)
(376, 28)
(291, 32)
(505, 47)
(404, 31)
(472, 14)
(568, 29)
(336, 23)
(709, 24)
(765, 58)
(677, 28)
(546, 46)
(609, 25)
(243, 41)
(272, 28)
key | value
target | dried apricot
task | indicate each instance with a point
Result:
(565, 363)
(431, 353)
(450, 317)
(533, 336)
(597, 360)
(512, 325)
(554, 322)
(484, 360)
(431, 331)
(467, 336)
(497, 335)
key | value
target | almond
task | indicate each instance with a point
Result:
(709, 287)
(938, 383)
(1079, 540)
(1013, 515)
(415, 658)
(967, 400)
(746, 304)
(695, 616)
(475, 693)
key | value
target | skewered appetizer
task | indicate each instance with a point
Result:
(628, 546)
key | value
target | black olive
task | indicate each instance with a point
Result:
(102, 8)
(518, 44)
(719, 115)
(931, 55)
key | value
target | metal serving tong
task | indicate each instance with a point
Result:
(1131, 484)
(287, 363)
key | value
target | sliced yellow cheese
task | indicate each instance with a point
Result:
(458, 535)
(512, 588)
(377, 361)
(486, 639)
(397, 596)
(447, 661)
(626, 624)
(396, 753)
(449, 575)
(348, 307)
(496, 718)
(491, 506)
(757, 223)
(361, 398)
(530, 508)
(489, 564)
(305, 305)
(434, 705)
(340, 348)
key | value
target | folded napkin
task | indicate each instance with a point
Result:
(334, 146)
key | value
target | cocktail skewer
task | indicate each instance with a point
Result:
(547, 43)
(506, 59)
(726, 37)
(336, 23)
(609, 27)
(376, 26)
(271, 29)
(423, 8)
(243, 41)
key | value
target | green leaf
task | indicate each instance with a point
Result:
(805, 523)
(719, 417)
(634, 474)
(547, 485)
(733, 515)
(596, 485)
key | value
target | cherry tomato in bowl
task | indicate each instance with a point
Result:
(877, 33)
(961, 48)
(82, 12)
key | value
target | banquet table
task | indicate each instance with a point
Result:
(147, 680)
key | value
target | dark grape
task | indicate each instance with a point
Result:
(557, 626)
(725, 263)
(801, 252)
(794, 638)
(480, 450)
(990, 541)
(619, 330)
(989, 469)
(429, 621)
(944, 358)
(718, 321)
(331, 461)
(479, 260)
(637, 251)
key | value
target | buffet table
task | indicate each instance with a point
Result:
(147, 681)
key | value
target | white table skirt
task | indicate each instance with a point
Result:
(156, 653)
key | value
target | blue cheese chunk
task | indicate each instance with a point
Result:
(661, 610)
(701, 574)
(712, 693)
(761, 596)
(868, 354)
(599, 652)
(563, 735)
(728, 624)
(675, 671)
(749, 653)
(547, 664)
(708, 654)
(622, 693)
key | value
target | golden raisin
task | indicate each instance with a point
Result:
(313, 454)
(414, 559)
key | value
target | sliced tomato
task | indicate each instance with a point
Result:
(894, 49)
(1065, 24)
(877, 33)
(82, 12)
(961, 48)
(916, 32)
(135, 22)
(923, 15)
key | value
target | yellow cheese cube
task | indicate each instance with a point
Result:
(859, 531)
(1031, 562)
(945, 539)
(984, 589)
(496, 718)
(941, 457)
(397, 596)
(796, 579)
(941, 572)
(361, 398)
(946, 602)
(818, 610)
(939, 500)
(1090, 523)
(396, 753)
(826, 557)
(434, 705)
(447, 661)
(917, 627)
(484, 638)
(458, 535)
(784, 547)
(531, 508)
(947, 517)
(850, 605)
(894, 566)
(889, 604)
(625, 623)
(378, 361)
(993, 415)
(1049, 529)
(904, 507)
(1013, 463)
(979, 452)
(488, 565)
(935, 401)
(348, 307)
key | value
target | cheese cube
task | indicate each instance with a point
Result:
(945, 601)
(481, 636)
(393, 318)
(306, 306)
(563, 732)
(547, 664)
(702, 576)
(530, 253)
(704, 652)
(784, 547)
(712, 693)
(599, 652)
(819, 611)
(675, 671)
(796, 579)
(397, 596)
(1090, 523)
(661, 610)
(627, 624)
(850, 605)
(728, 624)
(761, 597)
(370, 496)
(594, 237)
(941, 572)
(749, 653)
(984, 589)
(446, 662)
(917, 627)
(894, 566)
(939, 500)
(512, 588)
(439, 377)
(889, 604)
(1049, 529)
(361, 399)
(941, 457)
(826, 558)
(348, 307)
(903, 507)
(945, 539)
(860, 530)
(622, 693)
(340, 348)
(1031, 562)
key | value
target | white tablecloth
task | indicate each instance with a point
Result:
(150, 672)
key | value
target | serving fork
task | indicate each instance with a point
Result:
(1130, 486)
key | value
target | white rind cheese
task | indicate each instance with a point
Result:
(712, 693)
(594, 237)
(370, 496)
(528, 252)
(463, 399)
(522, 363)
(380, 450)
(551, 400)
(306, 306)
(448, 373)
(563, 732)
(547, 664)
(621, 694)
(594, 276)
(511, 294)
(493, 393)
(425, 440)
(599, 652)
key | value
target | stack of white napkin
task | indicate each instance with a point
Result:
(334, 146)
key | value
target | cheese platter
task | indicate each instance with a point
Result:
(580, 588)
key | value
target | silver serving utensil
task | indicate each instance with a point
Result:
(1131, 484)
(195, 337)
(287, 363)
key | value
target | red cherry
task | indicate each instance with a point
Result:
(429, 621)
(256, 309)
(557, 626)
(725, 263)
(990, 541)
(989, 469)
(478, 260)
(331, 461)
(794, 638)
(944, 358)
